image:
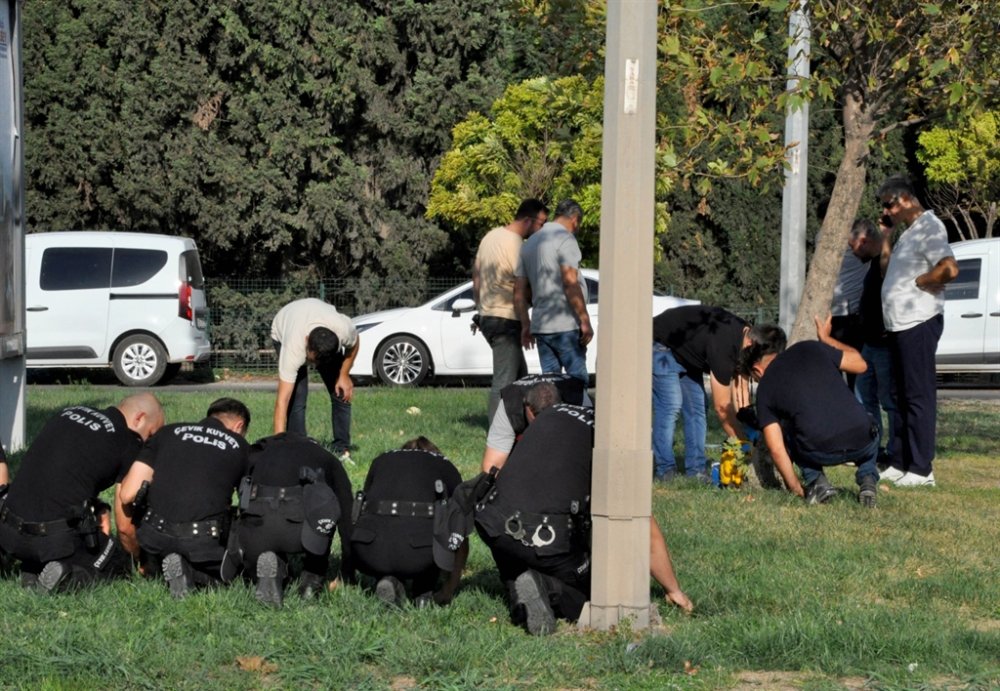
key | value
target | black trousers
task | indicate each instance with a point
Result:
(105, 562)
(914, 388)
(273, 532)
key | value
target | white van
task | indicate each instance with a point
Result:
(131, 301)
(971, 338)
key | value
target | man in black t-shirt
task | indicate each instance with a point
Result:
(397, 536)
(295, 496)
(688, 343)
(536, 522)
(510, 419)
(52, 519)
(807, 413)
(192, 470)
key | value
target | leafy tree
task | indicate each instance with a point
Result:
(962, 165)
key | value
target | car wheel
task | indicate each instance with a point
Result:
(402, 361)
(139, 361)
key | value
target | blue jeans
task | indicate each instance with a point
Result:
(562, 351)
(340, 413)
(504, 337)
(874, 389)
(675, 392)
(812, 463)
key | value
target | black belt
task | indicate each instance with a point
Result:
(212, 527)
(39, 528)
(271, 492)
(387, 507)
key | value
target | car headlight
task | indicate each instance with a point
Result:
(365, 327)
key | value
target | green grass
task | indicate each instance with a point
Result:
(786, 596)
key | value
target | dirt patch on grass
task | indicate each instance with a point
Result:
(787, 681)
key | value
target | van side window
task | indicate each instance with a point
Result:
(75, 268)
(135, 267)
(966, 284)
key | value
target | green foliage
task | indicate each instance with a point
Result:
(962, 165)
(279, 136)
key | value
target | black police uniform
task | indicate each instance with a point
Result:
(283, 471)
(571, 390)
(49, 512)
(196, 466)
(537, 515)
(394, 531)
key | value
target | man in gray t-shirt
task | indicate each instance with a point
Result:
(547, 279)
(920, 266)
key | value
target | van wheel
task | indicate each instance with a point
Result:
(139, 361)
(402, 361)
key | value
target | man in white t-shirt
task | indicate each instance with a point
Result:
(921, 264)
(310, 331)
(493, 291)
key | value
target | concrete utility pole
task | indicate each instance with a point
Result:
(622, 478)
(793, 205)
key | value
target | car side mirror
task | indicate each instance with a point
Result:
(462, 305)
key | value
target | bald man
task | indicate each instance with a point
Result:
(52, 519)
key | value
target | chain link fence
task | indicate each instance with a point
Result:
(241, 309)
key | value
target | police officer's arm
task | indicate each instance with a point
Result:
(722, 401)
(345, 386)
(850, 360)
(125, 493)
(782, 461)
(499, 440)
(662, 569)
(447, 592)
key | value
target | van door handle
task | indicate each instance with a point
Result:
(36, 309)
(972, 315)
(995, 314)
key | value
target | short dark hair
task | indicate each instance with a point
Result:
(896, 186)
(863, 227)
(569, 208)
(324, 343)
(765, 339)
(530, 208)
(421, 443)
(229, 406)
(541, 396)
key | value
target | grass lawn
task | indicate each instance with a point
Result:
(786, 596)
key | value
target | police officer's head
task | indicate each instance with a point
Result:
(322, 345)
(766, 341)
(231, 413)
(539, 397)
(421, 443)
(143, 414)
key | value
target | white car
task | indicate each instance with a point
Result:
(405, 346)
(971, 339)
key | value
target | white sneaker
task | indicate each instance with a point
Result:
(891, 474)
(914, 480)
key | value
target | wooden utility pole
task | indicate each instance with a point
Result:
(622, 477)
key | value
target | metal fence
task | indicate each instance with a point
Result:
(241, 309)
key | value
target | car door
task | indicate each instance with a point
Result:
(463, 352)
(67, 303)
(963, 341)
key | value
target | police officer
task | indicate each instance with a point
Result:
(511, 418)
(296, 494)
(192, 470)
(51, 519)
(398, 534)
(536, 522)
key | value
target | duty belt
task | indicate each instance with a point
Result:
(387, 507)
(212, 527)
(272, 492)
(39, 528)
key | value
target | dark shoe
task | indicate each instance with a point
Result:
(270, 589)
(310, 586)
(29, 581)
(178, 575)
(820, 491)
(52, 576)
(869, 492)
(391, 591)
(666, 476)
(531, 594)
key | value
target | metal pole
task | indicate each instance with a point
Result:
(622, 475)
(793, 206)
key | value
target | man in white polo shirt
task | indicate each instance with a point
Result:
(921, 264)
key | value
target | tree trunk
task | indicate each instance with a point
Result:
(835, 231)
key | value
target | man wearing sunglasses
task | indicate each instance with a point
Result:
(921, 264)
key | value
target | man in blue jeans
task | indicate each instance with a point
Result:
(547, 279)
(808, 415)
(688, 343)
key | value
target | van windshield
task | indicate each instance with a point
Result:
(191, 269)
